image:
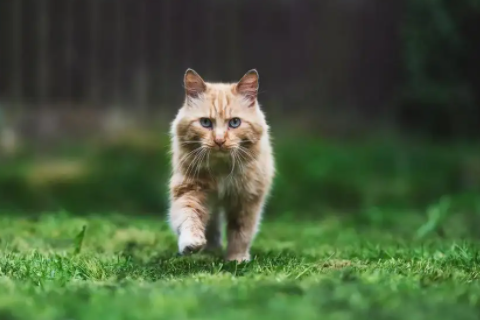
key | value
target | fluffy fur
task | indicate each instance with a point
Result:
(219, 171)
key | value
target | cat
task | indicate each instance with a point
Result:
(222, 166)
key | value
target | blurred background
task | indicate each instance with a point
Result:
(374, 105)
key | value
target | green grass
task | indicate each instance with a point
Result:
(331, 268)
(359, 230)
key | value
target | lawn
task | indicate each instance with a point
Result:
(125, 267)
(359, 230)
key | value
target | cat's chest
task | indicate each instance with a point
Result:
(227, 177)
(223, 187)
(227, 185)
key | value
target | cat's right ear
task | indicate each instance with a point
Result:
(193, 83)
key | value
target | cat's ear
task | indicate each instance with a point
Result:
(248, 85)
(193, 83)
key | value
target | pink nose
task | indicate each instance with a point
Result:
(219, 141)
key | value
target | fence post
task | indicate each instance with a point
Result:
(141, 72)
(43, 42)
(69, 29)
(93, 72)
(17, 56)
(117, 55)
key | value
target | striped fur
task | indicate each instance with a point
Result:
(209, 182)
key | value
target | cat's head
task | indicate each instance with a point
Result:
(220, 116)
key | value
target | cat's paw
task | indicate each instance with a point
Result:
(245, 257)
(191, 243)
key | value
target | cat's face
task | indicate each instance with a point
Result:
(220, 117)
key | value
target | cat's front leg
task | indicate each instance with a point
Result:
(243, 219)
(188, 215)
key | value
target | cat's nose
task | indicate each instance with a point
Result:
(219, 141)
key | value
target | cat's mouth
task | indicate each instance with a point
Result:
(221, 149)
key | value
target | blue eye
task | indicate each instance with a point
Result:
(234, 122)
(205, 122)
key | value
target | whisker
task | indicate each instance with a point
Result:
(192, 164)
(232, 155)
(185, 157)
(208, 163)
(242, 164)
(199, 163)
(252, 158)
(246, 152)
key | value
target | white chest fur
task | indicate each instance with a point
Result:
(224, 184)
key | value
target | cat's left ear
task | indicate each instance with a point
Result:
(193, 83)
(248, 85)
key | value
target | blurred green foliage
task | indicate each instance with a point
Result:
(314, 177)
(440, 52)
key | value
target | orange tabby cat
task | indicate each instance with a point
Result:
(222, 165)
